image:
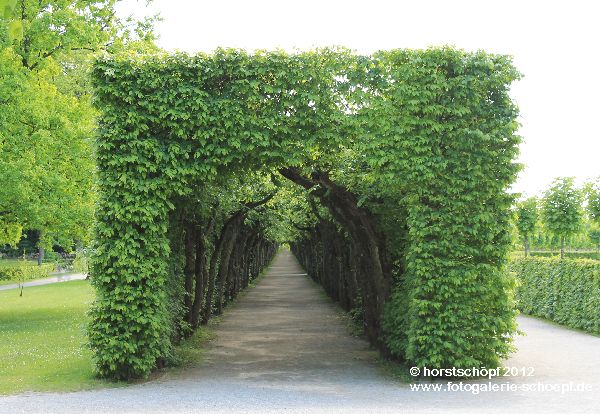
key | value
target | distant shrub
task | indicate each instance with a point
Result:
(63, 262)
(81, 262)
(565, 291)
(52, 256)
(26, 271)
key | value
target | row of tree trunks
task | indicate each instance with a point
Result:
(200, 273)
(351, 263)
(325, 255)
(219, 261)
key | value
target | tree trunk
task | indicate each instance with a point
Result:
(212, 273)
(40, 258)
(190, 266)
(526, 242)
(225, 261)
(562, 247)
(200, 271)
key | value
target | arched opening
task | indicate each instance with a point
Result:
(386, 174)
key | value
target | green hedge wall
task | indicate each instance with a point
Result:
(565, 291)
(434, 129)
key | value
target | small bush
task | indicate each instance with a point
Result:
(26, 271)
(565, 291)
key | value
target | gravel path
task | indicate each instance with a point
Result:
(284, 348)
(47, 281)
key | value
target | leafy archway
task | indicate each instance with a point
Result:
(400, 162)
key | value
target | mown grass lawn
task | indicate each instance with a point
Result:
(42, 339)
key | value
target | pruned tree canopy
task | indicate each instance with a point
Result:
(386, 174)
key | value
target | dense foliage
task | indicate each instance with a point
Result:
(562, 209)
(402, 157)
(592, 191)
(47, 121)
(594, 235)
(527, 218)
(565, 291)
(45, 158)
(566, 216)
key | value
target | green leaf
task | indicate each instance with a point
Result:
(7, 8)
(15, 31)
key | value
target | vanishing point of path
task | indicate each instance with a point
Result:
(284, 348)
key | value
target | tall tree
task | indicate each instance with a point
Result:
(47, 121)
(46, 157)
(43, 31)
(592, 190)
(527, 217)
(562, 210)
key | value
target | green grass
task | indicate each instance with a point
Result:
(43, 339)
(191, 351)
(395, 370)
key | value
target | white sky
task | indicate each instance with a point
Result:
(554, 44)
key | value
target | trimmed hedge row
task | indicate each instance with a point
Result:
(26, 272)
(410, 151)
(570, 255)
(565, 291)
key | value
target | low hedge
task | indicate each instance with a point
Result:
(565, 291)
(26, 272)
(518, 254)
(569, 255)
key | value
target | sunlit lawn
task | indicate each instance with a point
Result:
(42, 339)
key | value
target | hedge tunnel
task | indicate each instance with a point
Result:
(385, 174)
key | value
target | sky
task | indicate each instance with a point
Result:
(554, 45)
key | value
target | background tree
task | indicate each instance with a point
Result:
(592, 190)
(47, 159)
(527, 217)
(594, 235)
(562, 210)
(47, 120)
